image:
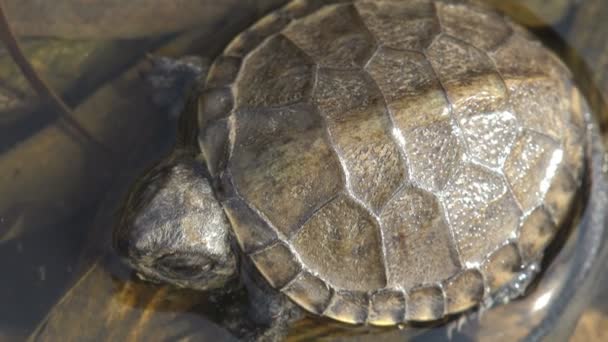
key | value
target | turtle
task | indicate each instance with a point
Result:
(371, 162)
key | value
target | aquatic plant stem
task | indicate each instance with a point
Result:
(71, 125)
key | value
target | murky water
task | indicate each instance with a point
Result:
(60, 189)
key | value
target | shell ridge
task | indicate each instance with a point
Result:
(459, 262)
(394, 130)
(454, 251)
(439, 34)
(347, 186)
(371, 34)
(402, 154)
(454, 122)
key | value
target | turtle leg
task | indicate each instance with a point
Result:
(267, 314)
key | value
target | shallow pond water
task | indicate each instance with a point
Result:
(60, 189)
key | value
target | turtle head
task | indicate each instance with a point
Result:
(174, 230)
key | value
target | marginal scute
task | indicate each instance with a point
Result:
(425, 304)
(214, 104)
(271, 24)
(243, 44)
(278, 73)
(464, 291)
(559, 197)
(404, 25)
(359, 129)
(299, 8)
(341, 243)
(578, 106)
(530, 168)
(574, 144)
(468, 75)
(223, 72)
(349, 307)
(334, 37)
(574, 141)
(310, 292)
(416, 240)
(502, 266)
(537, 230)
(481, 28)
(213, 142)
(277, 264)
(252, 232)
(480, 210)
(275, 153)
(250, 39)
(387, 307)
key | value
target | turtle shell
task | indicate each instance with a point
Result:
(391, 161)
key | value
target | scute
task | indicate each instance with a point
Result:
(464, 290)
(348, 306)
(334, 37)
(277, 264)
(533, 161)
(354, 112)
(483, 29)
(481, 212)
(340, 243)
(278, 73)
(276, 150)
(468, 75)
(536, 232)
(502, 266)
(310, 292)
(403, 25)
(414, 94)
(425, 303)
(539, 105)
(417, 240)
(385, 161)
(425, 146)
(387, 307)
(490, 136)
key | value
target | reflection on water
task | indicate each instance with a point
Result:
(60, 195)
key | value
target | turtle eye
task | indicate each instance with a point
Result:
(183, 265)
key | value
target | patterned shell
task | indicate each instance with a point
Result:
(391, 161)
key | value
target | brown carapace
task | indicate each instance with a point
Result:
(391, 161)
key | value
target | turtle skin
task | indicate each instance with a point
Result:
(391, 161)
